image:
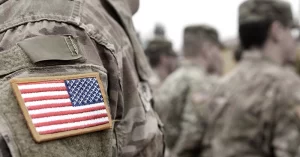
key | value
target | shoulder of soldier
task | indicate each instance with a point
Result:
(289, 86)
(177, 75)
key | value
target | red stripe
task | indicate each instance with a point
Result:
(70, 120)
(36, 90)
(49, 106)
(42, 82)
(49, 114)
(40, 98)
(72, 128)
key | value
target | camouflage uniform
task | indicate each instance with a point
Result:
(183, 92)
(108, 45)
(255, 110)
(155, 49)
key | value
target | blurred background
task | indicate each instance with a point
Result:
(174, 15)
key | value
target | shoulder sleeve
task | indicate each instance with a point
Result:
(287, 118)
(4, 151)
(171, 93)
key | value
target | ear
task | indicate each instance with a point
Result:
(205, 49)
(275, 32)
(163, 59)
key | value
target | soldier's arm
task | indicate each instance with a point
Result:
(286, 133)
(239, 136)
(4, 151)
(286, 140)
(171, 94)
(270, 131)
(193, 125)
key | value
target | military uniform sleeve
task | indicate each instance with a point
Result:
(193, 124)
(239, 135)
(271, 128)
(286, 140)
(49, 30)
(169, 105)
(286, 132)
(171, 94)
(4, 151)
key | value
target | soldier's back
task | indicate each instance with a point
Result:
(187, 84)
(258, 99)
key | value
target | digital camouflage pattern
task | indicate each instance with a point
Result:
(195, 34)
(261, 10)
(183, 91)
(255, 111)
(108, 45)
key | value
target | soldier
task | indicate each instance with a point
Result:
(74, 81)
(162, 59)
(255, 111)
(159, 32)
(191, 83)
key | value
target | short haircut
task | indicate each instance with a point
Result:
(195, 35)
(254, 34)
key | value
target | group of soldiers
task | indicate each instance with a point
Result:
(178, 108)
(251, 111)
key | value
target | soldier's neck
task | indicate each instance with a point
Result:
(200, 61)
(161, 71)
(273, 53)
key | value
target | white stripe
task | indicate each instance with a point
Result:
(61, 109)
(65, 117)
(41, 94)
(46, 102)
(70, 125)
(46, 85)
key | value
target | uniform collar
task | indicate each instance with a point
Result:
(2, 1)
(257, 56)
(188, 63)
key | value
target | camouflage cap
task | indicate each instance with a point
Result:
(260, 10)
(199, 32)
(158, 47)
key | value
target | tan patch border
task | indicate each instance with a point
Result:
(42, 138)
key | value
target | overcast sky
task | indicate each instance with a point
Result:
(176, 14)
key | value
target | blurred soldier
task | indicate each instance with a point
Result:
(238, 52)
(62, 56)
(190, 83)
(159, 32)
(162, 59)
(256, 109)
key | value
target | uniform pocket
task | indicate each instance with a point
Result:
(156, 147)
(145, 95)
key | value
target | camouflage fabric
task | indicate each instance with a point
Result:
(255, 111)
(108, 44)
(182, 93)
(195, 34)
(157, 48)
(261, 10)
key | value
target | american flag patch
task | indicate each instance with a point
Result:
(61, 106)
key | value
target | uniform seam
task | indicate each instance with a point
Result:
(33, 18)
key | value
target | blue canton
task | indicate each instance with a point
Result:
(84, 91)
